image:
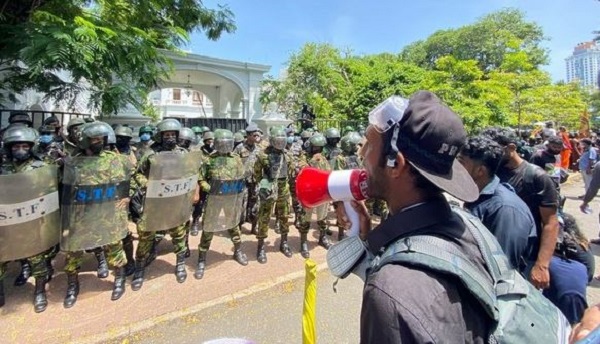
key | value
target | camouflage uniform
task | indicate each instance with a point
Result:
(331, 152)
(141, 149)
(298, 155)
(249, 154)
(38, 263)
(115, 256)
(316, 161)
(146, 237)
(51, 153)
(69, 148)
(273, 168)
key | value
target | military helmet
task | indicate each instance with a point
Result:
(348, 129)
(96, 129)
(165, 125)
(223, 141)
(124, 131)
(145, 129)
(187, 134)
(238, 137)
(51, 120)
(305, 134)
(242, 132)
(278, 138)
(360, 127)
(19, 117)
(47, 129)
(204, 129)
(332, 133)
(317, 140)
(75, 122)
(197, 130)
(89, 120)
(208, 135)
(20, 133)
(350, 142)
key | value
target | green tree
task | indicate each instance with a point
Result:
(486, 41)
(112, 49)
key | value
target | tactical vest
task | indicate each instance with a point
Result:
(278, 168)
(352, 162)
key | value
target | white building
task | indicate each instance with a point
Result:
(584, 64)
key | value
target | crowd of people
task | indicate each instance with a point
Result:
(413, 151)
(175, 181)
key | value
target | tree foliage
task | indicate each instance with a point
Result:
(487, 72)
(114, 50)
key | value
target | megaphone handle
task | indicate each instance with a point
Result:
(353, 217)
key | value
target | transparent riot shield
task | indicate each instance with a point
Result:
(29, 213)
(170, 191)
(94, 201)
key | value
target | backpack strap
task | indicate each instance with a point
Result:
(436, 254)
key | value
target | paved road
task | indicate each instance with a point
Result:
(270, 316)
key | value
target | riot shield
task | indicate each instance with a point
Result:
(94, 201)
(224, 205)
(170, 191)
(29, 213)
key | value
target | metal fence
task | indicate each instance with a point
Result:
(38, 117)
(233, 124)
(324, 124)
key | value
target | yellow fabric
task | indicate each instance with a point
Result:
(309, 332)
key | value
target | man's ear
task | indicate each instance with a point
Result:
(401, 164)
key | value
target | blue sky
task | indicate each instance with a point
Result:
(270, 30)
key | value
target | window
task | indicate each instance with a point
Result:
(176, 94)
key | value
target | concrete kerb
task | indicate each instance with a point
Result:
(128, 330)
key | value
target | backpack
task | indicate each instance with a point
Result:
(521, 314)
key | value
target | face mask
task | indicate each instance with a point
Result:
(290, 140)
(145, 137)
(21, 154)
(46, 139)
(184, 143)
(169, 143)
(96, 148)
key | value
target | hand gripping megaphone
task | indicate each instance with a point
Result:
(315, 187)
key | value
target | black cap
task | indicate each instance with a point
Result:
(430, 136)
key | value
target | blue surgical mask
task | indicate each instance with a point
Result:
(145, 137)
(46, 139)
(290, 140)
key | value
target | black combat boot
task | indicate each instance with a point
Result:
(138, 275)
(25, 273)
(304, 246)
(72, 290)
(128, 248)
(284, 247)
(153, 251)
(1, 293)
(180, 272)
(195, 226)
(324, 240)
(102, 265)
(261, 256)
(201, 265)
(39, 297)
(238, 255)
(119, 286)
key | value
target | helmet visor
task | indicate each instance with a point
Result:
(279, 142)
(224, 146)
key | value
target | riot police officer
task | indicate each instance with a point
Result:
(207, 148)
(248, 151)
(186, 138)
(95, 179)
(18, 142)
(72, 139)
(222, 178)
(145, 133)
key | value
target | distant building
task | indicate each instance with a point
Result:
(584, 64)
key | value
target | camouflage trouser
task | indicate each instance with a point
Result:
(306, 219)
(282, 210)
(206, 239)
(251, 203)
(296, 207)
(115, 257)
(39, 267)
(146, 240)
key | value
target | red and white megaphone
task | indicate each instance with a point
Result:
(315, 187)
